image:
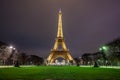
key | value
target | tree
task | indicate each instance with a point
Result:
(98, 58)
(114, 51)
(77, 61)
(35, 60)
(87, 58)
(111, 52)
(22, 58)
(13, 57)
(96, 64)
(5, 52)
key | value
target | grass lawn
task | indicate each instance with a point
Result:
(59, 73)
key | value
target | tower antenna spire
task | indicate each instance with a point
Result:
(60, 31)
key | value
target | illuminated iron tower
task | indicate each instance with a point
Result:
(59, 49)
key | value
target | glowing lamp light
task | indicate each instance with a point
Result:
(100, 49)
(11, 47)
(104, 47)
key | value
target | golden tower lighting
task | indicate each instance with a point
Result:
(59, 49)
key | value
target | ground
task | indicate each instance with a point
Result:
(59, 73)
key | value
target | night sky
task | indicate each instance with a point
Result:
(31, 25)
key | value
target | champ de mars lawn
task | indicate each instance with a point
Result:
(59, 73)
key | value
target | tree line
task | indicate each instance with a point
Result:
(11, 56)
(108, 54)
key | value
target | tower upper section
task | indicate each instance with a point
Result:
(60, 31)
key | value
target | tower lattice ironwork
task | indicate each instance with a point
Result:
(59, 49)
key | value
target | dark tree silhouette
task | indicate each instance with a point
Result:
(87, 57)
(113, 54)
(96, 64)
(35, 60)
(77, 61)
(22, 58)
(5, 52)
(17, 64)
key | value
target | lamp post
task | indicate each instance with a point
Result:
(103, 50)
(12, 49)
(12, 53)
(15, 59)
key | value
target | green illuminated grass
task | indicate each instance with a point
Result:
(59, 73)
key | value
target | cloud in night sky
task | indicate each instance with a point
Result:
(31, 25)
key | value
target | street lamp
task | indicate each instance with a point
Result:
(104, 47)
(104, 50)
(13, 51)
(11, 47)
(100, 49)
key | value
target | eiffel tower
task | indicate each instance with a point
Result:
(59, 49)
